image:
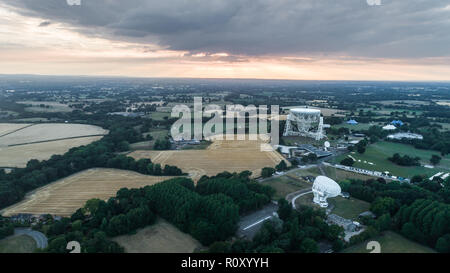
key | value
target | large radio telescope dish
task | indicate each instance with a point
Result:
(304, 122)
(324, 188)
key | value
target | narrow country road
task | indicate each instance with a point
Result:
(300, 195)
(292, 197)
(40, 238)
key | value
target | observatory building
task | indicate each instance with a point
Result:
(304, 122)
(324, 188)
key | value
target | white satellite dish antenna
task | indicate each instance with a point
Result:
(327, 145)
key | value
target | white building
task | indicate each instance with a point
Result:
(400, 136)
(389, 127)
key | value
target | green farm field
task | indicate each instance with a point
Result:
(18, 244)
(159, 115)
(348, 208)
(285, 184)
(148, 145)
(379, 153)
(391, 242)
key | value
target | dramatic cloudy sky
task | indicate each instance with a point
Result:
(284, 39)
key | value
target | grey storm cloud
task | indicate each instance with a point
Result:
(396, 29)
(45, 24)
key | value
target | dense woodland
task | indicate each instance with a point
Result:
(6, 228)
(421, 212)
(405, 160)
(209, 212)
(296, 231)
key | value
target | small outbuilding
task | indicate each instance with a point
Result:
(389, 127)
(352, 122)
(397, 123)
(367, 214)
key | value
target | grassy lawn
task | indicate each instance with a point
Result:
(305, 172)
(159, 115)
(158, 133)
(339, 175)
(306, 200)
(144, 145)
(18, 244)
(348, 208)
(285, 185)
(378, 154)
(445, 126)
(391, 242)
(148, 145)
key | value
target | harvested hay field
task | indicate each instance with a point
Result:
(161, 237)
(17, 244)
(220, 156)
(18, 156)
(65, 196)
(50, 132)
(7, 128)
(20, 143)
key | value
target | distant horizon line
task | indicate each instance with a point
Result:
(216, 78)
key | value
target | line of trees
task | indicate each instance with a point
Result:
(433, 139)
(6, 228)
(269, 171)
(405, 160)
(421, 212)
(403, 193)
(347, 162)
(427, 222)
(162, 144)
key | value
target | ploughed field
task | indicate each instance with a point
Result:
(161, 237)
(65, 196)
(20, 143)
(220, 156)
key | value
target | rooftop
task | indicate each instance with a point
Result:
(305, 110)
(312, 149)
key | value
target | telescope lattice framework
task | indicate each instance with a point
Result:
(304, 122)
